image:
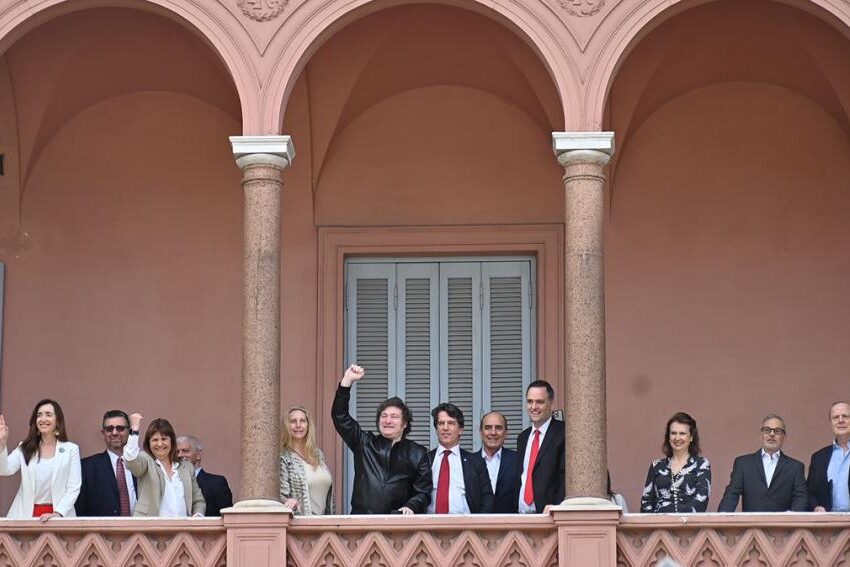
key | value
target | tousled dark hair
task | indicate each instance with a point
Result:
(550, 391)
(395, 402)
(115, 413)
(163, 427)
(29, 446)
(684, 419)
(451, 410)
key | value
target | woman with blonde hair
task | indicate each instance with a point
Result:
(306, 485)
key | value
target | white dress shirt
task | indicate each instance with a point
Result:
(457, 488)
(523, 507)
(173, 504)
(128, 478)
(43, 480)
(493, 464)
(769, 461)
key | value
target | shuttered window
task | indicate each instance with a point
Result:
(430, 331)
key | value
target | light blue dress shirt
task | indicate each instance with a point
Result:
(837, 473)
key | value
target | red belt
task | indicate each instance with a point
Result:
(40, 509)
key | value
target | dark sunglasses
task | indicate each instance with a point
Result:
(118, 428)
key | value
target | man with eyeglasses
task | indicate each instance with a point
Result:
(108, 488)
(767, 480)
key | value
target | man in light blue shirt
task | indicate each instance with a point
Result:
(829, 471)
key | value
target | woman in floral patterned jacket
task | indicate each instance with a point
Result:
(680, 482)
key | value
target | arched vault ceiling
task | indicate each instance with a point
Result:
(732, 41)
(77, 60)
(411, 47)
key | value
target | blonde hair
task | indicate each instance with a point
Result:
(310, 451)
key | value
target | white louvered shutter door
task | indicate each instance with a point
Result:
(418, 359)
(506, 341)
(460, 336)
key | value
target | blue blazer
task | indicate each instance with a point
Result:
(507, 483)
(99, 491)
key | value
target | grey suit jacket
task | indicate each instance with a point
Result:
(151, 486)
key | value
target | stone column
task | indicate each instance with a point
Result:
(262, 160)
(583, 156)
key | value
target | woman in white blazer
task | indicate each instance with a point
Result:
(49, 465)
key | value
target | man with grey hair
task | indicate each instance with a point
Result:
(213, 486)
(767, 480)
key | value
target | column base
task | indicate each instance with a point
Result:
(574, 503)
(587, 532)
(257, 506)
(256, 533)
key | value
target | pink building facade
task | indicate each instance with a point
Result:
(185, 184)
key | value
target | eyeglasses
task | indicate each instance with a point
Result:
(118, 428)
(773, 431)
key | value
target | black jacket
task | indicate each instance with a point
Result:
(820, 487)
(216, 492)
(387, 476)
(476, 481)
(787, 490)
(548, 474)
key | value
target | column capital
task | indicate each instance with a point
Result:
(275, 151)
(594, 147)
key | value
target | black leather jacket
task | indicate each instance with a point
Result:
(387, 476)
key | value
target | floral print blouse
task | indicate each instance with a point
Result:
(685, 491)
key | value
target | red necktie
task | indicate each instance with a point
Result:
(528, 495)
(442, 504)
(123, 493)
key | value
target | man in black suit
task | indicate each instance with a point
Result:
(213, 486)
(100, 473)
(767, 480)
(544, 455)
(461, 482)
(829, 470)
(502, 463)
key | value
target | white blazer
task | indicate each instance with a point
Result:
(64, 486)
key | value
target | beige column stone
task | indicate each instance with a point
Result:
(583, 156)
(262, 160)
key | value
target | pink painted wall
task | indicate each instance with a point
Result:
(728, 236)
(127, 291)
(727, 232)
(395, 125)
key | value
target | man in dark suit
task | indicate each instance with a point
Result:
(502, 463)
(461, 482)
(543, 455)
(829, 470)
(213, 486)
(767, 480)
(100, 474)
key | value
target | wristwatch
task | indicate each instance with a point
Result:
(134, 432)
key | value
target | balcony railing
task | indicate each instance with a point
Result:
(567, 536)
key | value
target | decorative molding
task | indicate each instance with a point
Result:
(262, 10)
(582, 8)
(572, 141)
(276, 151)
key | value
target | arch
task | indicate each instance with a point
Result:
(205, 19)
(628, 25)
(539, 30)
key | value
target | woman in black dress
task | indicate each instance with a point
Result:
(680, 482)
